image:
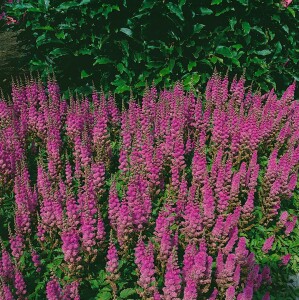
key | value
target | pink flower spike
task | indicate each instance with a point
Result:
(286, 3)
(268, 244)
(285, 259)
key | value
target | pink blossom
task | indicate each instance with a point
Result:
(268, 244)
(286, 3)
(285, 259)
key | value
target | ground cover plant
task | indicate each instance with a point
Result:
(180, 197)
(128, 43)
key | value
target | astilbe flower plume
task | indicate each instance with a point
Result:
(285, 259)
(290, 225)
(17, 245)
(286, 3)
(5, 292)
(71, 291)
(71, 246)
(19, 284)
(112, 261)
(172, 289)
(112, 266)
(36, 260)
(6, 265)
(179, 179)
(190, 291)
(113, 206)
(53, 290)
(192, 225)
(144, 259)
(268, 244)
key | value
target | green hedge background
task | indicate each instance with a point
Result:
(123, 44)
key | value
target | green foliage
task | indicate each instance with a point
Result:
(129, 43)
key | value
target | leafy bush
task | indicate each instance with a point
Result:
(180, 198)
(130, 42)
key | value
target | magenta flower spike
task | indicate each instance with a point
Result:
(290, 225)
(112, 259)
(177, 179)
(6, 266)
(268, 244)
(71, 291)
(17, 245)
(285, 259)
(71, 246)
(53, 290)
(5, 292)
(144, 259)
(172, 289)
(230, 293)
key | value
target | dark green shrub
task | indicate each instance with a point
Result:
(129, 42)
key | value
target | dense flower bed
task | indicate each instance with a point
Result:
(177, 198)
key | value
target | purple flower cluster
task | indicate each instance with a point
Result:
(168, 188)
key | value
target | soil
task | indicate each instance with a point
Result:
(12, 59)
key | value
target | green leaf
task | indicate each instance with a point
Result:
(215, 58)
(34, 9)
(232, 23)
(237, 46)
(60, 35)
(243, 2)
(191, 65)
(187, 80)
(84, 51)
(83, 2)
(246, 27)
(205, 11)
(41, 40)
(276, 18)
(171, 64)
(158, 80)
(127, 292)
(175, 10)
(198, 27)
(263, 52)
(154, 64)
(221, 12)
(102, 278)
(67, 5)
(107, 9)
(102, 61)
(216, 2)
(104, 295)
(286, 28)
(292, 11)
(59, 52)
(195, 78)
(126, 31)
(182, 3)
(165, 71)
(120, 68)
(147, 4)
(121, 89)
(259, 30)
(94, 284)
(46, 28)
(84, 74)
(168, 69)
(260, 72)
(224, 51)
(236, 62)
(140, 84)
